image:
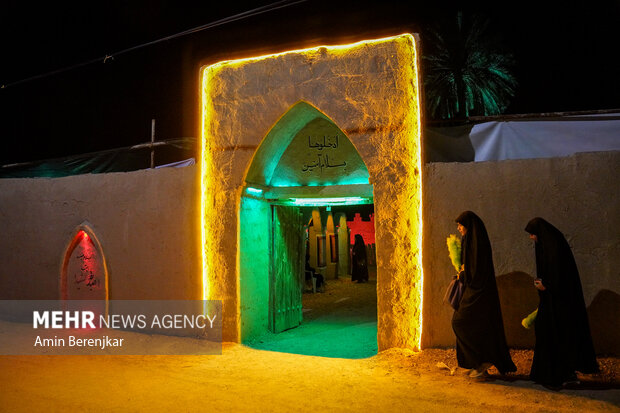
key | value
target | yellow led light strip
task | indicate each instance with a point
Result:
(207, 196)
(417, 138)
(205, 161)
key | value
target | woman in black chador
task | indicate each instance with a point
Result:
(359, 271)
(563, 341)
(477, 324)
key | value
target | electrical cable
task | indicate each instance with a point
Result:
(240, 16)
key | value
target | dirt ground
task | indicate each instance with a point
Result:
(245, 378)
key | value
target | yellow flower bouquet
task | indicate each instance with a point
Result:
(454, 250)
(455, 290)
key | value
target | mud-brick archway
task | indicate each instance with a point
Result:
(369, 90)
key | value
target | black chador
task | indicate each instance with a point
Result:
(359, 271)
(477, 323)
(563, 340)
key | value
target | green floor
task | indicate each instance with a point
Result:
(341, 323)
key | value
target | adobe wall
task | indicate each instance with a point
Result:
(580, 195)
(145, 221)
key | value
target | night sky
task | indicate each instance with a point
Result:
(565, 60)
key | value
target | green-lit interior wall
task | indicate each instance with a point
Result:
(303, 149)
(255, 227)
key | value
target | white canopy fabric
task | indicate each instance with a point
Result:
(521, 139)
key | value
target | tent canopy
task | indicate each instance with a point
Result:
(177, 153)
(522, 138)
(484, 139)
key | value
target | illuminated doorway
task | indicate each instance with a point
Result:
(315, 166)
(370, 90)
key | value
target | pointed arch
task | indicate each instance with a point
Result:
(92, 280)
(306, 148)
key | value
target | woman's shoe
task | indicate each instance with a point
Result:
(571, 381)
(464, 372)
(480, 371)
(475, 374)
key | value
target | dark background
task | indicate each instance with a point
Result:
(566, 60)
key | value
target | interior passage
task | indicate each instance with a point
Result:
(339, 319)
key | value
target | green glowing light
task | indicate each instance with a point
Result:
(350, 200)
(254, 264)
(343, 181)
(254, 191)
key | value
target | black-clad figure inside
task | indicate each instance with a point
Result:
(359, 271)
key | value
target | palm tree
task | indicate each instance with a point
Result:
(464, 73)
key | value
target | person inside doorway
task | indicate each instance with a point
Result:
(311, 272)
(359, 271)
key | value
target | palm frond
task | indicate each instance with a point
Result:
(465, 74)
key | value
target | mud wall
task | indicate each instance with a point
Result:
(144, 220)
(580, 195)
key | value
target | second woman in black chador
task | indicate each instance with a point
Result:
(477, 324)
(563, 340)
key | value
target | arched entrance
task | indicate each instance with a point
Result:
(305, 163)
(370, 90)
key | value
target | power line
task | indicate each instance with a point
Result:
(240, 16)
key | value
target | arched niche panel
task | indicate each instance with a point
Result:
(306, 148)
(84, 274)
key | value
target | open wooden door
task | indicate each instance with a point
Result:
(287, 268)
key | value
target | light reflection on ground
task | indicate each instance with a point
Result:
(340, 322)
